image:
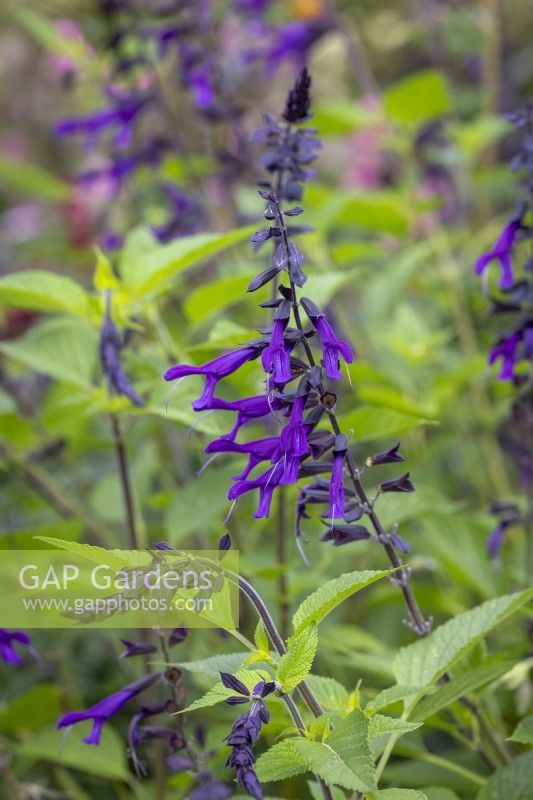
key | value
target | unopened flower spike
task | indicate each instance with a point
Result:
(110, 357)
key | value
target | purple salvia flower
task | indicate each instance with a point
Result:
(136, 648)
(266, 483)
(276, 356)
(214, 371)
(177, 636)
(7, 645)
(295, 40)
(332, 347)
(293, 441)
(259, 450)
(401, 484)
(247, 409)
(506, 349)
(386, 457)
(345, 534)
(502, 251)
(336, 484)
(107, 708)
(119, 117)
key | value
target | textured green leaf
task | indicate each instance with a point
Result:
(523, 732)
(261, 638)
(328, 596)
(417, 98)
(218, 693)
(226, 662)
(63, 349)
(381, 725)
(458, 687)
(512, 782)
(107, 761)
(331, 695)
(280, 761)
(43, 291)
(350, 740)
(296, 664)
(392, 695)
(146, 266)
(425, 661)
(116, 559)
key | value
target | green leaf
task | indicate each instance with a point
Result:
(296, 663)
(523, 732)
(344, 759)
(417, 98)
(104, 277)
(331, 695)
(328, 596)
(116, 559)
(32, 710)
(392, 695)
(226, 662)
(459, 687)
(339, 119)
(440, 793)
(191, 511)
(381, 725)
(43, 291)
(512, 782)
(279, 762)
(350, 740)
(63, 349)
(215, 297)
(147, 266)
(375, 422)
(400, 794)
(261, 638)
(425, 661)
(374, 211)
(218, 693)
(31, 180)
(107, 761)
(317, 793)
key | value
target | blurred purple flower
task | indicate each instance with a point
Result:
(294, 41)
(502, 251)
(102, 711)
(7, 645)
(119, 118)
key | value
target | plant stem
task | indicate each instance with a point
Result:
(125, 482)
(292, 708)
(282, 559)
(279, 645)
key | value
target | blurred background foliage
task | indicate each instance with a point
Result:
(411, 186)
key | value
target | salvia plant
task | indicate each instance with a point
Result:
(513, 351)
(379, 654)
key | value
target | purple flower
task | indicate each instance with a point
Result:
(495, 540)
(107, 708)
(401, 484)
(386, 457)
(266, 483)
(110, 348)
(345, 534)
(502, 251)
(507, 350)
(185, 214)
(276, 356)
(336, 483)
(295, 41)
(293, 441)
(214, 371)
(247, 409)
(7, 648)
(136, 648)
(119, 117)
(258, 450)
(332, 347)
